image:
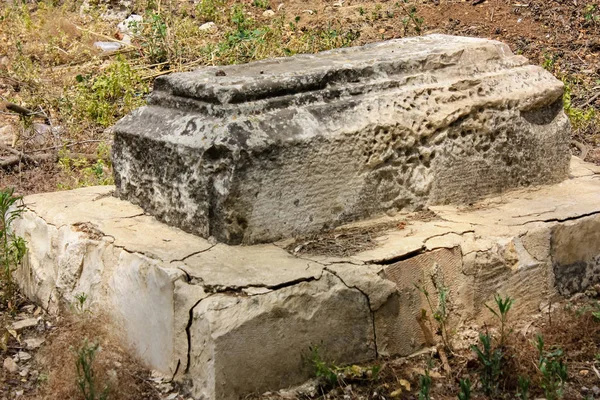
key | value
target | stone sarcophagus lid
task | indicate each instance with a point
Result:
(272, 149)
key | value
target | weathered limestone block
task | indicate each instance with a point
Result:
(258, 152)
(176, 299)
(243, 345)
(235, 320)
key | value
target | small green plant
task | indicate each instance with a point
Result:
(504, 305)
(465, 389)
(86, 378)
(209, 10)
(580, 118)
(12, 247)
(424, 385)
(323, 369)
(154, 39)
(553, 370)
(596, 311)
(264, 4)
(441, 312)
(411, 17)
(590, 13)
(106, 97)
(549, 61)
(80, 300)
(523, 391)
(490, 360)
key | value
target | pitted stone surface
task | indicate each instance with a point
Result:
(258, 152)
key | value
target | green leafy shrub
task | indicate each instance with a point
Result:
(110, 95)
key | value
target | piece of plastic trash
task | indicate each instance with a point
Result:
(107, 46)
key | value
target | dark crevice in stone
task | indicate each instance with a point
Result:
(239, 290)
(560, 220)
(188, 334)
(406, 256)
(368, 304)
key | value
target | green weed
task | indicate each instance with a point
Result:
(504, 306)
(264, 4)
(86, 379)
(323, 369)
(80, 299)
(424, 386)
(78, 172)
(12, 247)
(549, 61)
(490, 360)
(465, 389)
(210, 10)
(440, 313)
(523, 391)
(590, 13)
(153, 38)
(553, 370)
(106, 97)
(411, 18)
(580, 118)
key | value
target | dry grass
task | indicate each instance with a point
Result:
(113, 366)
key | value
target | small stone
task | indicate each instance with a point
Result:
(382, 30)
(208, 27)
(34, 343)
(10, 365)
(596, 390)
(25, 323)
(268, 13)
(7, 133)
(584, 372)
(24, 356)
(28, 308)
(24, 372)
(130, 24)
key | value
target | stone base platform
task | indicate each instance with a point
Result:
(235, 320)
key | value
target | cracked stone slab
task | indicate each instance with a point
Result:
(569, 199)
(250, 345)
(95, 211)
(232, 267)
(209, 314)
(264, 151)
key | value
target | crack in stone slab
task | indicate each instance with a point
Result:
(368, 304)
(561, 220)
(238, 290)
(401, 257)
(195, 253)
(225, 289)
